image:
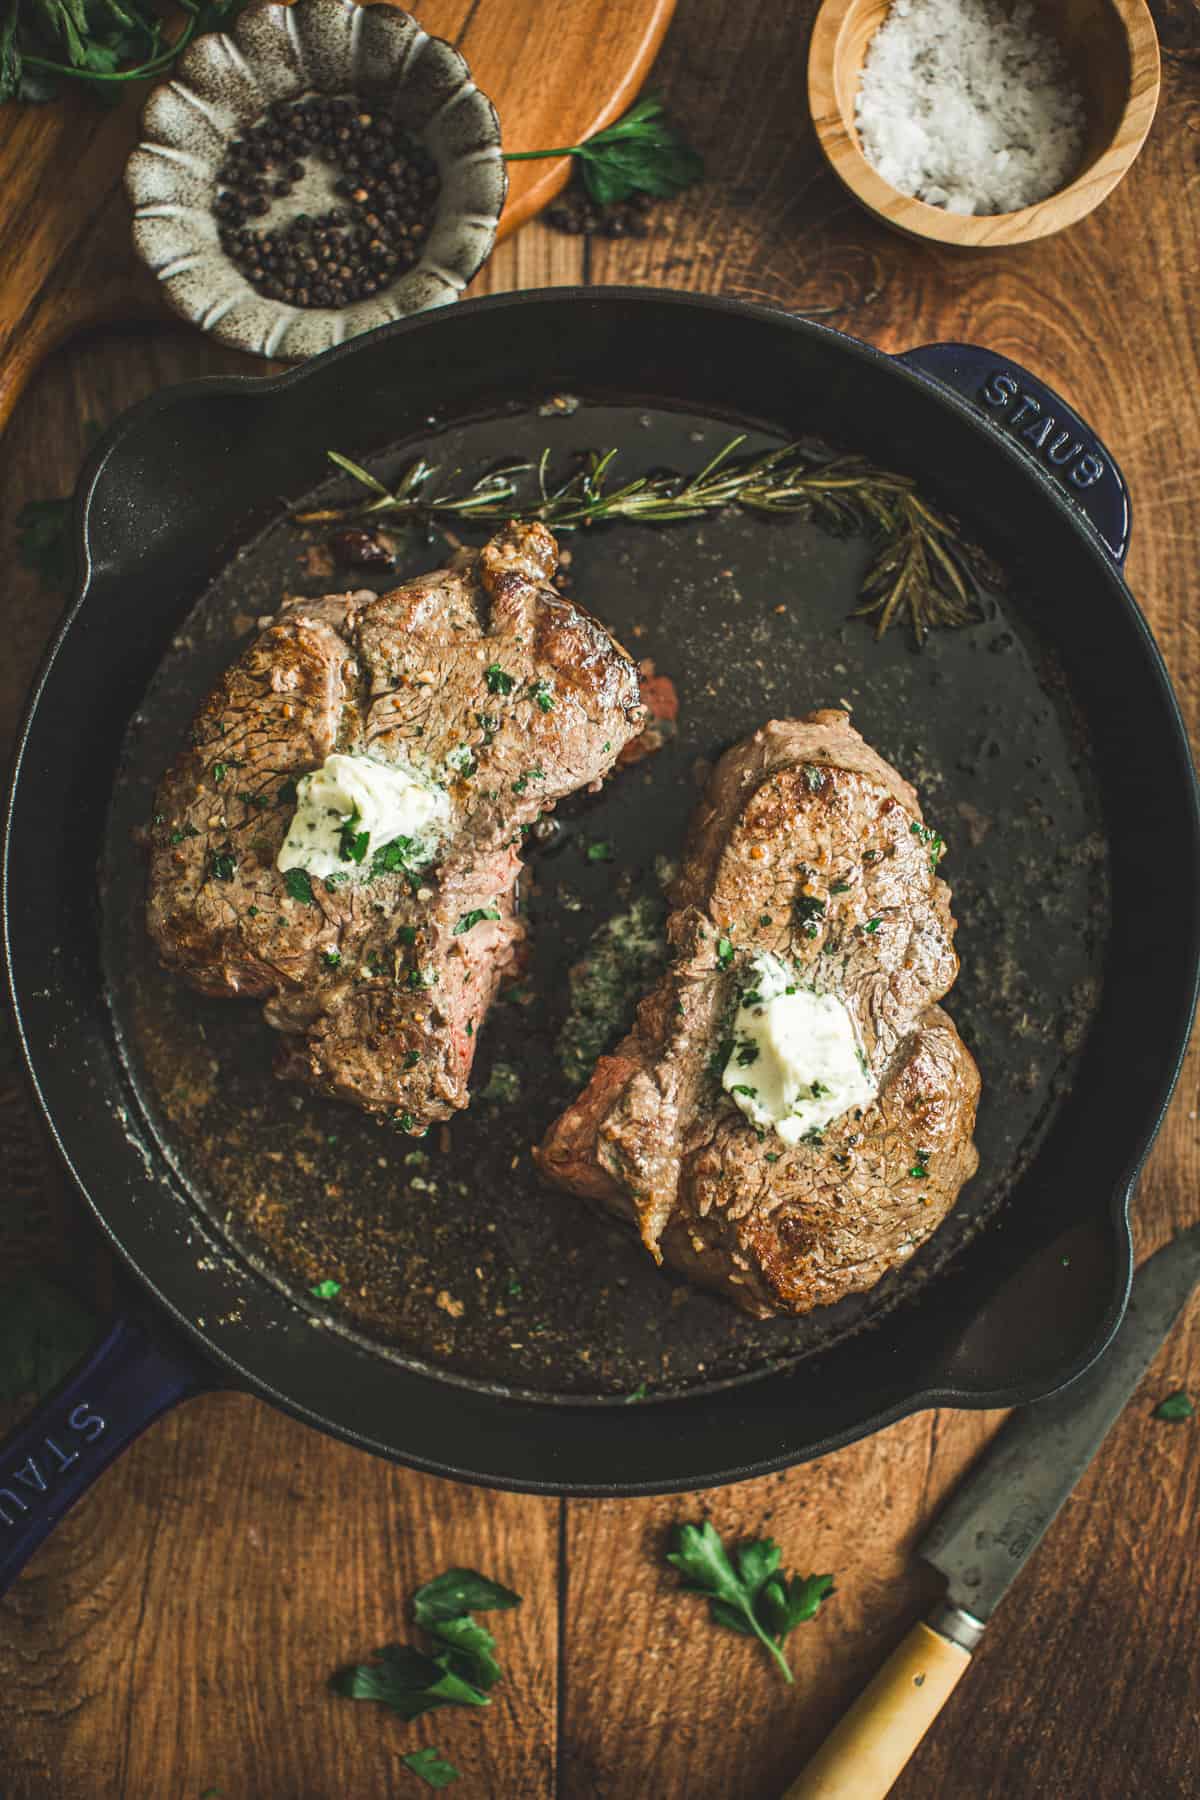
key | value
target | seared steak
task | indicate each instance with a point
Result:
(481, 679)
(809, 847)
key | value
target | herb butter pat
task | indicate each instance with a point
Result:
(351, 807)
(796, 1063)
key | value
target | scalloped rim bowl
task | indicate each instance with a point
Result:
(222, 84)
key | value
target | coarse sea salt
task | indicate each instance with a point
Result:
(967, 105)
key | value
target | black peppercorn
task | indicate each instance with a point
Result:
(335, 257)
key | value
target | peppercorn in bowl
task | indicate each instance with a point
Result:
(324, 169)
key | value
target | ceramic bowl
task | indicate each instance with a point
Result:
(1112, 48)
(222, 84)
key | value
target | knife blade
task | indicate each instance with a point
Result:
(990, 1528)
(988, 1531)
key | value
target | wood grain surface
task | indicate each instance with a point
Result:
(176, 1634)
(66, 258)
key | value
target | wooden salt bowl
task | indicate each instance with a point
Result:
(1111, 46)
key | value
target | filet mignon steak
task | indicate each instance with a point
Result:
(807, 847)
(481, 679)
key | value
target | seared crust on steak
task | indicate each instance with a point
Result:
(804, 811)
(379, 997)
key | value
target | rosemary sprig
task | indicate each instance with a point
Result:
(918, 576)
(641, 153)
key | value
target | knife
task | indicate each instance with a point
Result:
(988, 1532)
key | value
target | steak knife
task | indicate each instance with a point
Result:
(987, 1533)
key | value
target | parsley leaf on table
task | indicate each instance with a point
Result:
(407, 1681)
(751, 1594)
(432, 1767)
(641, 153)
(460, 1674)
(43, 536)
(43, 1333)
(1175, 1408)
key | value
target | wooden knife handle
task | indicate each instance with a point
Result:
(864, 1754)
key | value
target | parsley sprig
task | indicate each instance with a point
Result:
(749, 1594)
(96, 43)
(643, 153)
(463, 1668)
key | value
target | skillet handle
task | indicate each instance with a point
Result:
(55, 1455)
(1049, 431)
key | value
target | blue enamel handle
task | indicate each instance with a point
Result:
(55, 1455)
(1045, 427)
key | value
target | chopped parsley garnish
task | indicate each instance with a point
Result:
(599, 850)
(750, 1592)
(331, 958)
(219, 771)
(405, 1121)
(764, 919)
(469, 920)
(432, 1767)
(223, 865)
(489, 724)
(1175, 1408)
(396, 855)
(872, 925)
(724, 952)
(258, 800)
(326, 1290)
(752, 998)
(771, 1156)
(819, 1091)
(747, 1053)
(927, 835)
(461, 761)
(528, 775)
(407, 934)
(806, 908)
(813, 779)
(412, 1059)
(498, 681)
(288, 794)
(544, 695)
(814, 1137)
(420, 978)
(750, 1093)
(840, 887)
(352, 843)
(184, 831)
(919, 1172)
(299, 886)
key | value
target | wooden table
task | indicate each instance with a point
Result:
(176, 1634)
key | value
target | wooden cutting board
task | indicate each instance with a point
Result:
(555, 69)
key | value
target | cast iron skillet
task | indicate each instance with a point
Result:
(1018, 1308)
